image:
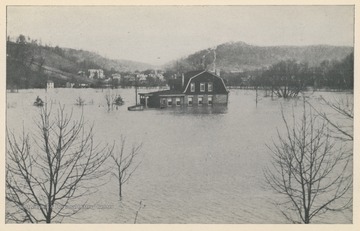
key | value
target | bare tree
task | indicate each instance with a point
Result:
(113, 99)
(80, 101)
(47, 181)
(124, 164)
(344, 111)
(138, 210)
(310, 170)
(110, 98)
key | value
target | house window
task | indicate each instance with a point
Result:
(192, 87)
(190, 101)
(177, 101)
(210, 87)
(200, 100)
(202, 87)
(169, 101)
(164, 101)
(210, 100)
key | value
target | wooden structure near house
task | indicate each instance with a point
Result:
(195, 88)
(136, 108)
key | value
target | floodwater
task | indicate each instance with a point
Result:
(198, 165)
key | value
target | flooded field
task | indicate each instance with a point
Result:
(198, 165)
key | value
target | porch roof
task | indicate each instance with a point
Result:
(164, 93)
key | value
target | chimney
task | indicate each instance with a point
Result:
(182, 80)
(217, 72)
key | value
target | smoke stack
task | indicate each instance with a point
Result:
(182, 80)
(217, 72)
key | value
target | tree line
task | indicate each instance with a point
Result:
(287, 78)
(24, 64)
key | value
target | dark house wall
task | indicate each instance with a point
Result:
(154, 101)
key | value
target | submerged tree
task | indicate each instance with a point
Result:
(287, 78)
(309, 170)
(79, 101)
(49, 173)
(109, 100)
(124, 163)
(113, 99)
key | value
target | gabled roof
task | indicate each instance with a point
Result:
(188, 75)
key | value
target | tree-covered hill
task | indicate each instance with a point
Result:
(30, 64)
(239, 56)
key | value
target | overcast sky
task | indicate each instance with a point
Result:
(158, 34)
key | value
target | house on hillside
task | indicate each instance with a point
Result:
(82, 73)
(141, 78)
(116, 76)
(49, 84)
(83, 85)
(69, 85)
(196, 88)
(96, 73)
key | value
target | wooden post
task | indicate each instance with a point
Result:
(135, 90)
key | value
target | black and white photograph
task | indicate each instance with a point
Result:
(179, 114)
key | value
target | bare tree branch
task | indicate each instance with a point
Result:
(343, 109)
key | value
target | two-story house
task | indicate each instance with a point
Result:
(49, 84)
(96, 73)
(196, 88)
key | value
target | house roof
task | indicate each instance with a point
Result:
(189, 75)
(195, 74)
(177, 83)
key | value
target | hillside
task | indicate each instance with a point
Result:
(239, 56)
(119, 65)
(29, 64)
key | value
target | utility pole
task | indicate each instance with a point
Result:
(135, 89)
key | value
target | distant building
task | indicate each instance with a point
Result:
(141, 77)
(116, 76)
(160, 77)
(157, 75)
(82, 73)
(49, 84)
(130, 78)
(83, 85)
(96, 73)
(196, 88)
(107, 83)
(70, 85)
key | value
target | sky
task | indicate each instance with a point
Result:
(159, 34)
